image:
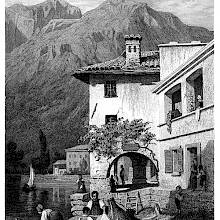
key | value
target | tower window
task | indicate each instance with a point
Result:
(110, 89)
(129, 48)
(135, 49)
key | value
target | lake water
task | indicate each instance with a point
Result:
(23, 205)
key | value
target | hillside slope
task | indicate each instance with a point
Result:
(40, 91)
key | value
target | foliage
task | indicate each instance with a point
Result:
(104, 140)
(42, 162)
(13, 158)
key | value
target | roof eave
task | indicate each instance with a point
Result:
(118, 72)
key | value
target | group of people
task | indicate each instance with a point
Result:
(197, 173)
(95, 209)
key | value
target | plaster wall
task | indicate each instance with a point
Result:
(171, 57)
(207, 66)
(134, 99)
(188, 129)
(168, 180)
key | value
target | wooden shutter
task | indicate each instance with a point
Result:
(180, 159)
(168, 161)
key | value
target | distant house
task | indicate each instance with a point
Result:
(77, 159)
(59, 167)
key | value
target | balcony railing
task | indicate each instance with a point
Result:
(188, 124)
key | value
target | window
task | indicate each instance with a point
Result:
(70, 163)
(173, 101)
(174, 161)
(110, 118)
(135, 49)
(110, 89)
(194, 92)
(129, 49)
(70, 156)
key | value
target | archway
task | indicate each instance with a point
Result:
(140, 170)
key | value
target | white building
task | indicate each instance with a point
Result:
(149, 85)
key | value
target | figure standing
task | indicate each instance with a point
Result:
(122, 175)
(81, 184)
(112, 184)
(193, 175)
(178, 198)
(202, 177)
(95, 204)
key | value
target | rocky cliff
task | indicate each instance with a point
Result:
(29, 20)
(40, 90)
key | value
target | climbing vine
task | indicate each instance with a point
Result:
(104, 140)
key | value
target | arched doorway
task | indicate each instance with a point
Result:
(140, 171)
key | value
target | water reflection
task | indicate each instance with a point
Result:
(56, 194)
(29, 206)
(23, 205)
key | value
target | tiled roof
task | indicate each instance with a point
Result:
(60, 162)
(78, 148)
(149, 64)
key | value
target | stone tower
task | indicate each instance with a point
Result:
(133, 49)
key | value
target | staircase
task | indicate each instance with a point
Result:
(133, 201)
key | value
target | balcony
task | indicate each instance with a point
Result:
(188, 124)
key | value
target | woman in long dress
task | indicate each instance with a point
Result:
(193, 175)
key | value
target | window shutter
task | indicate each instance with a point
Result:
(180, 159)
(168, 161)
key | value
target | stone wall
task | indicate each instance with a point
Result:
(193, 201)
(53, 179)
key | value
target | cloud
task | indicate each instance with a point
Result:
(85, 5)
(192, 12)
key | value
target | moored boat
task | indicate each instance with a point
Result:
(30, 186)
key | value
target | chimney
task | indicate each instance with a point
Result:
(133, 49)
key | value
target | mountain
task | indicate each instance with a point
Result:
(23, 21)
(40, 89)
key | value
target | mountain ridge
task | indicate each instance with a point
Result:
(41, 92)
(29, 20)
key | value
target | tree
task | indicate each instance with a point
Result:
(13, 158)
(42, 162)
(104, 140)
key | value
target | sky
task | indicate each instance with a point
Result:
(192, 12)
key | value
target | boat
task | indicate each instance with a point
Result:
(118, 212)
(30, 186)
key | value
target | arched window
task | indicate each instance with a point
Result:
(129, 48)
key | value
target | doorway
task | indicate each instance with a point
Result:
(191, 154)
